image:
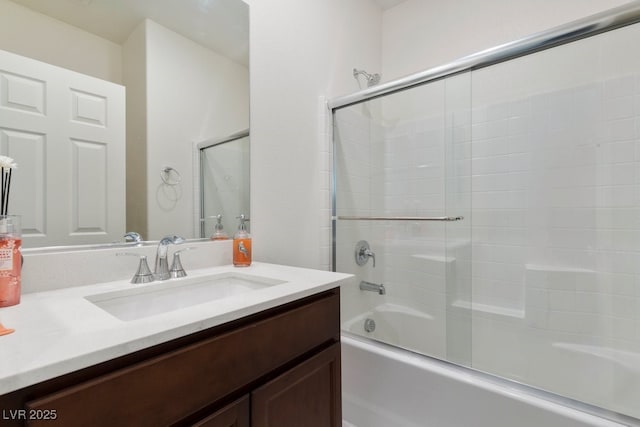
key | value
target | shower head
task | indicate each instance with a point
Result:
(372, 79)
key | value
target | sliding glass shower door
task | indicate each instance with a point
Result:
(556, 217)
(224, 182)
(402, 194)
(502, 209)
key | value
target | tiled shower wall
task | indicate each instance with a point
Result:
(556, 220)
(556, 207)
(556, 189)
(352, 168)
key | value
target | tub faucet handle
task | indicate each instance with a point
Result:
(371, 255)
(364, 252)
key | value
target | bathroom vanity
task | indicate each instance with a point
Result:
(247, 360)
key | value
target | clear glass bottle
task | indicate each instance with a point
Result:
(242, 245)
(219, 233)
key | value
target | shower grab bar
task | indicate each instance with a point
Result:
(400, 218)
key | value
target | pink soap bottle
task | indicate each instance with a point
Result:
(242, 245)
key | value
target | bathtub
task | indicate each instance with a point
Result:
(404, 326)
(384, 386)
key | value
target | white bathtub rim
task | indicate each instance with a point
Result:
(385, 307)
(392, 419)
(574, 410)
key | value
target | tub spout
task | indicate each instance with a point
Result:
(373, 287)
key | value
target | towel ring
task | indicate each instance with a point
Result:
(166, 176)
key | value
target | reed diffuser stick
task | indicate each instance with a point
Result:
(6, 203)
(7, 164)
(2, 210)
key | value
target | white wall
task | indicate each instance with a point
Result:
(300, 51)
(40, 37)
(421, 34)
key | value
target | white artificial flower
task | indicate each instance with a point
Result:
(7, 163)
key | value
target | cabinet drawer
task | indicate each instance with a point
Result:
(164, 389)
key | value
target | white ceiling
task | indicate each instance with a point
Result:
(387, 4)
(220, 25)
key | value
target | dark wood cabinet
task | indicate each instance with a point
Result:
(278, 368)
(236, 414)
(305, 396)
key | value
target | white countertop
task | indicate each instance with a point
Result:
(58, 332)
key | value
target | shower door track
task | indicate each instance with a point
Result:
(586, 27)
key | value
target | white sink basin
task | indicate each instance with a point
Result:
(161, 297)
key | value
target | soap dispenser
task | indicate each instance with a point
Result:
(219, 233)
(242, 245)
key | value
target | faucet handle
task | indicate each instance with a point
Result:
(143, 274)
(371, 255)
(176, 240)
(363, 253)
(132, 237)
(176, 269)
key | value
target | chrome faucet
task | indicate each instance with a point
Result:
(374, 287)
(161, 270)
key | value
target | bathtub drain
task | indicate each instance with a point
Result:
(369, 325)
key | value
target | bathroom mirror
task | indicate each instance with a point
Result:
(160, 51)
(224, 178)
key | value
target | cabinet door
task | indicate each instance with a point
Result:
(305, 396)
(235, 414)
